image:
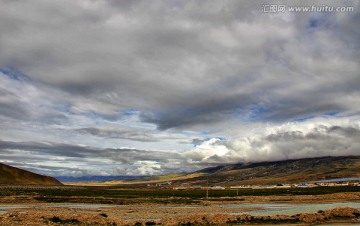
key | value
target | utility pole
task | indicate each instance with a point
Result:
(207, 188)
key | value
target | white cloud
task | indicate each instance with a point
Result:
(203, 152)
(147, 167)
(314, 138)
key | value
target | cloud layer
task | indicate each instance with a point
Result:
(177, 84)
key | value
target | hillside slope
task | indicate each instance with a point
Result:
(288, 171)
(12, 175)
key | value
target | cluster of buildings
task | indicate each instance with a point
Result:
(187, 186)
(301, 185)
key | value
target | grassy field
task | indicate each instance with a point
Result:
(145, 206)
(124, 196)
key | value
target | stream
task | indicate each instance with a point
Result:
(260, 209)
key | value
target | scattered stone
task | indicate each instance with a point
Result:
(103, 215)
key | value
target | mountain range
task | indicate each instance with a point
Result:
(256, 173)
(279, 172)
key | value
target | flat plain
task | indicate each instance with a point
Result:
(141, 206)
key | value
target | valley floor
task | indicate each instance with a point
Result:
(45, 208)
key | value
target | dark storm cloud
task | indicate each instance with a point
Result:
(131, 134)
(190, 113)
(70, 70)
(16, 111)
(80, 152)
(131, 156)
(297, 112)
(175, 61)
(49, 148)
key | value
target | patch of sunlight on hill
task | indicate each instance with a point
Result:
(166, 177)
(356, 165)
(154, 179)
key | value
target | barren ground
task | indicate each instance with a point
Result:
(207, 212)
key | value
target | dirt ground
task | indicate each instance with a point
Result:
(208, 212)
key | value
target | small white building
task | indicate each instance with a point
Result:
(217, 188)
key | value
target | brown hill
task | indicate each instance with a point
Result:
(279, 172)
(12, 175)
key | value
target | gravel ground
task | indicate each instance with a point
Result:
(158, 215)
(208, 212)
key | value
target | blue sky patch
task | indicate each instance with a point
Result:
(304, 119)
(331, 113)
(14, 74)
(313, 23)
(258, 112)
(130, 112)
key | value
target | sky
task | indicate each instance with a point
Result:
(147, 87)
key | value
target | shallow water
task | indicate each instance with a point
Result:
(291, 209)
(4, 208)
(7, 207)
(263, 209)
